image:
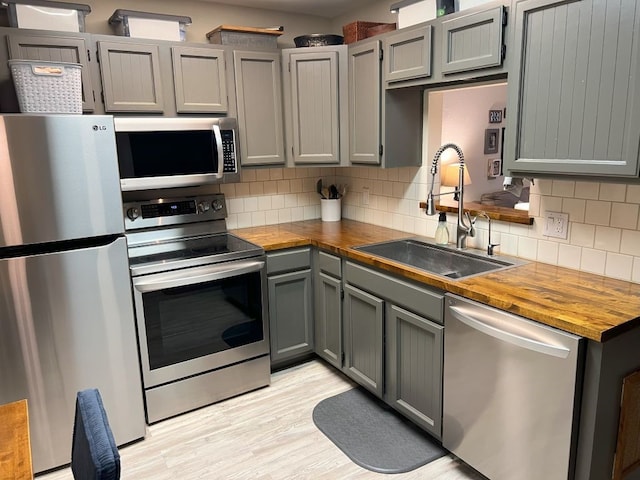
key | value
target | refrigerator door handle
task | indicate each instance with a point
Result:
(506, 336)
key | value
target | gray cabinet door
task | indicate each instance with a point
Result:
(314, 95)
(290, 315)
(473, 41)
(200, 80)
(131, 77)
(574, 93)
(328, 319)
(364, 103)
(56, 49)
(259, 95)
(363, 347)
(414, 367)
(407, 55)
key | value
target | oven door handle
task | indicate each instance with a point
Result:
(208, 273)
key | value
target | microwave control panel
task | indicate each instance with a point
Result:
(230, 164)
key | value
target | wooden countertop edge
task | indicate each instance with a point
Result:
(468, 288)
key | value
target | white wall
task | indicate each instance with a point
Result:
(464, 115)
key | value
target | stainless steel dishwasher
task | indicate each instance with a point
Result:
(510, 393)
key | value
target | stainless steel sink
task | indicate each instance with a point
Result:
(437, 259)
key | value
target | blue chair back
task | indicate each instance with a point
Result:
(94, 454)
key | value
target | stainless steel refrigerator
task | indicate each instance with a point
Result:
(66, 313)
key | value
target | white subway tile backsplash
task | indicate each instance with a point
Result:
(569, 256)
(624, 215)
(613, 192)
(575, 208)
(607, 238)
(563, 188)
(630, 243)
(598, 213)
(581, 234)
(593, 261)
(633, 193)
(548, 252)
(604, 234)
(587, 190)
(619, 266)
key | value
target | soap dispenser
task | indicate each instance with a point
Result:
(442, 233)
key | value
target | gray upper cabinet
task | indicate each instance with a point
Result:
(385, 126)
(574, 89)
(259, 97)
(407, 54)
(199, 80)
(414, 355)
(131, 77)
(365, 67)
(472, 41)
(56, 48)
(315, 101)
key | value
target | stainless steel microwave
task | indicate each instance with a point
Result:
(164, 152)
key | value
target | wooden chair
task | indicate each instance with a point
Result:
(627, 459)
(94, 454)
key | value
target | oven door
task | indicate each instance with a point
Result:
(198, 319)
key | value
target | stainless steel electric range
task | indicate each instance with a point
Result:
(201, 304)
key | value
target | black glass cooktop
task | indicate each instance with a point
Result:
(211, 249)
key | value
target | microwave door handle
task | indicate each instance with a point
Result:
(209, 273)
(218, 137)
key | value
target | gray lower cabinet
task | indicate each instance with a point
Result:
(290, 304)
(131, 79)
(258, 80)
(363, 344)
(393, 342)
(407, 54)
(574, 94)
(414, 356)
(62, 47)
(199, 78)
(315, 86)
(328, 307)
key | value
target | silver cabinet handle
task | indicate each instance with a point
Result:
(208, 273)
(218, 136)
(513, 338)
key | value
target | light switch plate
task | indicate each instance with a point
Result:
(556, 224)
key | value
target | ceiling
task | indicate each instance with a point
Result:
(321, 8)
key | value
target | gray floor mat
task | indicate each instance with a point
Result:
(372, 434)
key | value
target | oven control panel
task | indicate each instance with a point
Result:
(174, 211)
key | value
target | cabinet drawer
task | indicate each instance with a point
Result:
(288, 260)
(330, 264)
(428, 303)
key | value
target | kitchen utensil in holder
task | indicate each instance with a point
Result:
(331, 209)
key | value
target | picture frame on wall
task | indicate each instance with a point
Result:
(491, 140)
(494, 167)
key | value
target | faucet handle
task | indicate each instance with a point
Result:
(490, 248)
(472, 223)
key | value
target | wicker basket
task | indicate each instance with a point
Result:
(47, 87)
(359, 30)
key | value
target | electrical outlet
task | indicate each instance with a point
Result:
(365, 195)
(556, 224)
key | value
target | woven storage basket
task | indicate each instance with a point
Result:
(47, 87)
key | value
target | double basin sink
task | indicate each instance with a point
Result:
(439, 260)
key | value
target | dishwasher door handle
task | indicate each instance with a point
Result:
(513, 338)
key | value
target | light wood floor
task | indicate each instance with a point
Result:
(265, 434)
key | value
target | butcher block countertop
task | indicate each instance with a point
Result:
(585, 304)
